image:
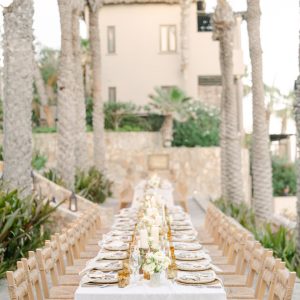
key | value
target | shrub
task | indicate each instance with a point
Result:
(38, 161)
(93, 185)
(280, 241)
(54, 177)
(201, 128)
(284, 177)
(89, 112)
(23, 226)
(44, 130)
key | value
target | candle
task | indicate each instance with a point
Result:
(144, 239)
(155, 235)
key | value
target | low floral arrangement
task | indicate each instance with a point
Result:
(153, 182)
(155, 262)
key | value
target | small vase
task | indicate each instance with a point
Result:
(155, 279)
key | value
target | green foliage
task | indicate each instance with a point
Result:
(23, 226)
(93, 185)
(116, 113)
(48, 62)
(282, 245)
(242, 213)
(44, 130)
(38, 161)
(284, 177)
(1, 153)
(53, 176)
(281, 241)
(201, 128)
(89, 112)
(170, 101)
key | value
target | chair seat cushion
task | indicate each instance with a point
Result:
(62, 292)
(92, 248)
(240, 292)
(226, 269)
(69, 280)
(219, 260)
(81, 261)
(88, 254)
(234, 280)
(74, 270)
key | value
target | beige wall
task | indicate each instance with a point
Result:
(138, 66)
(192, 170)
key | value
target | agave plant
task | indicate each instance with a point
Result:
(93, 185)
(171, 103)
(22, 225)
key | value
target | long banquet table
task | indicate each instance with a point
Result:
(139, 289)
(167, 290)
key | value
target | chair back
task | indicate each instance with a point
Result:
(33, 274)
(283, 284)
(256, 265)
(18, 286)
(47, 266)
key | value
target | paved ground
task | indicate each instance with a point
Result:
(197, 215)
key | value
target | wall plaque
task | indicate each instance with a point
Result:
(158, 162)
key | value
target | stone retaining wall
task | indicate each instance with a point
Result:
(134, 155)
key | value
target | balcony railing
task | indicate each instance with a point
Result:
(204, 22)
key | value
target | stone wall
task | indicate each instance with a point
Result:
(132, 156)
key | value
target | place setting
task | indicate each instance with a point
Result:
(151, 246)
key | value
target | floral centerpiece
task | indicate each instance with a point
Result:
(154, 264)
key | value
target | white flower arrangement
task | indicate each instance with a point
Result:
(155, 262)
(154, 182)
(150, 218)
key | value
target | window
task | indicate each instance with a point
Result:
(168, 39)
(168, 88)
(111, 39)
(112, 94)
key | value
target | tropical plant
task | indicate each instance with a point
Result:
(23, 226)
(89, 112)
(171, 103)
(201, 129)
(93, 185)
(118, 113)
(18, 94)
(98, 115)
(38, 161)
(48, 61)
(52, 175)
(261, 160)
(284, 177)
(281, 240)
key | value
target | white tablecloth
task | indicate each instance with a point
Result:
(165, 192)
(142, 291)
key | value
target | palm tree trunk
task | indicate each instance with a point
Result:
(18, 94)
(261, 161)
(81, 151)
(297, 117)
(167, 130)
(184, 38)
(66, 101)
(224, 25)
(98, 115)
